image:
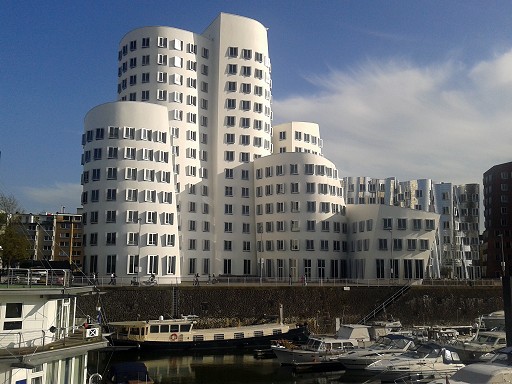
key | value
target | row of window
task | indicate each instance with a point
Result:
(246, 88)
(132, 238)
(125, 133)
(129, 174)
(162, 42)
(309, 169)
(149, 195)
(245, 105)
(311, 207)
(133, 262)
(294, 187)
(149, 217)
(245, 122)
(128, 153)
(308, 138)
(245, 54)
(174, 61)
(247, 71)
(401, 224)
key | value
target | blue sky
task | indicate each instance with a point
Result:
(412, 89)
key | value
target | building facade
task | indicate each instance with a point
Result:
(186, 175)
(458, 245)
(497, 183)
(54, 236)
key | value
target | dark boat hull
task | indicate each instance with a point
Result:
(297, 335)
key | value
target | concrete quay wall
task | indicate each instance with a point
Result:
(219, 305)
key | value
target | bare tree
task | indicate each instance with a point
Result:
(9, 205)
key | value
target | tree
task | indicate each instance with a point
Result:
(14, 243)
(9, 205)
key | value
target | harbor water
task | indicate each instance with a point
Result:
(219, 369)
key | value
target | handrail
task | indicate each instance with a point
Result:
(379, 308)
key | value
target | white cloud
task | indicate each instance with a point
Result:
(445, 121)
(52, 198)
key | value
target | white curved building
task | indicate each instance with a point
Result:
(300, 213)
(185, 174)
(128, 198)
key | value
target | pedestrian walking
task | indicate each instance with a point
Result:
(112, 279)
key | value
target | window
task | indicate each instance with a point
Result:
(111, 238)
(246, 88)
(246, 70)
(233, 51)
(387, 223)
(401, 224)
(152, 239)
(230, 103)
(232, 69)
(13, 311)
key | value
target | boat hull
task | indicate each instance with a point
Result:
(298, 334)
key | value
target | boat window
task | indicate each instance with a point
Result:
(175, 328)
(154, 329)
(258, 333)
(218, 336)
(185, 327)
(198, 338)
(502, 341)
(134, 331)
(276, 331)
(164, 328)
(239, 335)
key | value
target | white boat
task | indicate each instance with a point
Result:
(323, 348)
(427, 361)
(483, 342)
(497, 371)
(492, 320)
(181, 335)
(41, 340)
(384, 348)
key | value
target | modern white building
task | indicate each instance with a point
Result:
(129, 198)
(458, 206)
(185, 174)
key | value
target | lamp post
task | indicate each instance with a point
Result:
(502, 256)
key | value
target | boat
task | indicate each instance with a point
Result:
(385, 347)
(181, 335)
(426, 361)
(491, 321)
(498, 370)
(482, 343)
(322, 348)
(134, 372)
(42, 339)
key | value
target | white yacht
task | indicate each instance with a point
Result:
(497, 371)
(41, 340)
(427, 361)
(483, 343)
(323, 348)
(384, 348)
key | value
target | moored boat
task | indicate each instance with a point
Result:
(324, 348)
(483, 343)
(497, 370)
(181, 335)
(427, 361)
(384, 348)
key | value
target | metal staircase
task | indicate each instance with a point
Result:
(382, 307)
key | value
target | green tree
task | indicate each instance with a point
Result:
(14, 243)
